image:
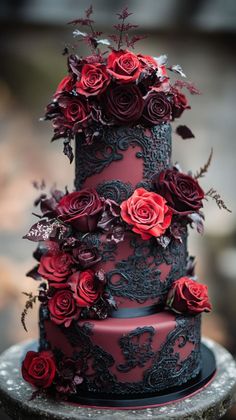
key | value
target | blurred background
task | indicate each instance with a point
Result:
(197, 34)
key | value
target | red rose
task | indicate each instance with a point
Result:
(86, 288)
(180, 103)
(55, 267)
(94, 80)
(124, 66)
(74, 109)
(62, 307)
(157, 109)
(124, 103)
(66, 85)
(39, 369)
(82, 209)
(147, 212)
(182, 192)
(187, 295)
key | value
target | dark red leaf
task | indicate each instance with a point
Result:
(34, 273)
(67, 150)
(184, 132)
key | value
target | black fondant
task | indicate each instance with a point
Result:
(136, 312)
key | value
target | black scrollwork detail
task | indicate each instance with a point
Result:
(168, 369)
(115, 190)
(155, 151)
(138, 278)
(137, 348)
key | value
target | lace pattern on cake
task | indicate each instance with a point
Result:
(138, 278)
(167, 370)
(136, 348)
(155, 144)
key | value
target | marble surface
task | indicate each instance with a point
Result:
(210, 403)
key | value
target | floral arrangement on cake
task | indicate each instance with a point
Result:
(114, 87)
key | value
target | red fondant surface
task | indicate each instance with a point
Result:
(129, 169)
(107, 333)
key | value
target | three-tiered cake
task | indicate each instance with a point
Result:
(120, 310)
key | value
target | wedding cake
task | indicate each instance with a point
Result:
(120, 305)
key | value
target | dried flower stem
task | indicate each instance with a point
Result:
(212, 193)
(28, 305)
(205, 168)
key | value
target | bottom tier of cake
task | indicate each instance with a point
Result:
(123, 356)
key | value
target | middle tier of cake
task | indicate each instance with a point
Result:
(140, 273)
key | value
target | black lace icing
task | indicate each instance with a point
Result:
(43, 316)
(136, 349)
(92, 159)
(138, 277)
(115, 190)
(167, 369)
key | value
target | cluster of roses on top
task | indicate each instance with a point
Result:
(70, 264)
(115, 88)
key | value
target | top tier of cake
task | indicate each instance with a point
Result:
(125, 158)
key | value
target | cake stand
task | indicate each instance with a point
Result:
(211, 402)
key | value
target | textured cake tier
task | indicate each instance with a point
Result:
(122, 159)
(138, 272)
(132, 355)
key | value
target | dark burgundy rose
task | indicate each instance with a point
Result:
(69, 375)
(39, 368)
(62, 307)
(82, 209)
(124, 103)
(74, 109)
(182, 192)
(86, 288)
(180, 103)
(55, 267)
(86, 256)
(188, 296)
(157, 109)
